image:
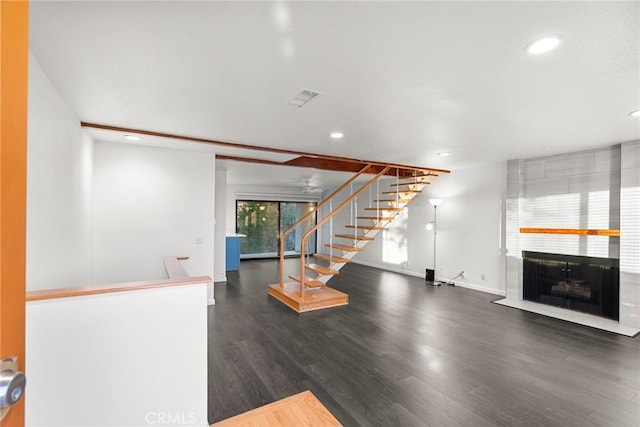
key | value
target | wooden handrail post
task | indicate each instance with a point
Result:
(331, 215)
(305, 217)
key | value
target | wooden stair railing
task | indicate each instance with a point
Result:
(328, 217)
(293, 294)
(307, 216)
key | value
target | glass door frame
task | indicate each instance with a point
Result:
(280, 230)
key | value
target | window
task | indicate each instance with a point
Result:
(263, 221)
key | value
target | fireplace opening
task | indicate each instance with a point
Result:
(587, 284)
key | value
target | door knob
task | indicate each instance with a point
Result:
(12, 384)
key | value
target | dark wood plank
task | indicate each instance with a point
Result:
(403, 353)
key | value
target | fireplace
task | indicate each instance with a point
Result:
(580, 283)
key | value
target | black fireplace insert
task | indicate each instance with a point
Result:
(580, 283)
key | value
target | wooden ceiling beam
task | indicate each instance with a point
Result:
(249, 160)
(260, 148)
(324, 164)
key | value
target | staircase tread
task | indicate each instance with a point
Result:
(402, 191)
(311, 283)
(333, 258)
(377, 218)
(382, 208)
(366, 227)
(354, 237)
(393, 200)
(420, 180)
(408, 184)
(321, 269)
(343, 247)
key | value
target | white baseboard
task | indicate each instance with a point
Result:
(387, 268)
(220, 278)
(421, 275)
(211, 301)
(480, 288)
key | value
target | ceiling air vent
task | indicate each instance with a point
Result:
(304, 97)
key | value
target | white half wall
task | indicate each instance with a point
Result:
(121, 359)
(148, 203)
(59, 189)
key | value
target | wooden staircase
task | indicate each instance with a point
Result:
(305, 293)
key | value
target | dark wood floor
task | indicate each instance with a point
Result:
(403, 353)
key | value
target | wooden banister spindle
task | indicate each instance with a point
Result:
(355, 230)
(397, 187)
(331, 234)
(378, 195)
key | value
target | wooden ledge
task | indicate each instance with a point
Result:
(579, 231)
(174, 267)
(302, 409)
(119, 287)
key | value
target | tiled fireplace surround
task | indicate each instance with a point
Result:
(615, 169)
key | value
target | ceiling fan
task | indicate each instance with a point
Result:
(309, 189)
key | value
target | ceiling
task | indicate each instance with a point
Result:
(402, 80)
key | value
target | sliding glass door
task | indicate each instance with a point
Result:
(262, 222)
(259, 222)
(290, 212)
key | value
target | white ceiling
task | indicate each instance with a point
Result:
(402, 80)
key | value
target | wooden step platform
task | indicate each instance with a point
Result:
(321, 269)
(302, 409)
(343, 247)
(308, 281)
(336, 259)
(354, 237)
(313, 299)
(365, 227)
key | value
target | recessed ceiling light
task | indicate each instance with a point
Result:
(548, 147)
(635, 113)
(132, 137)
(444, 153)
(336, 135)
(543, 45)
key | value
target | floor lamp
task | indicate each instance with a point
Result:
(433, 225)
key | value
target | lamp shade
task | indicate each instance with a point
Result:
(435, 202)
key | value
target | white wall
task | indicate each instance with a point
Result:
(59, 185)
(119, 359)
(149, 203)
(221, 227)
(469, 236)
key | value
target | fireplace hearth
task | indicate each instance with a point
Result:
(580, 283)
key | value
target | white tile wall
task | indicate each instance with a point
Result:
(630, 234)
(594, 189)
(570, 164)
